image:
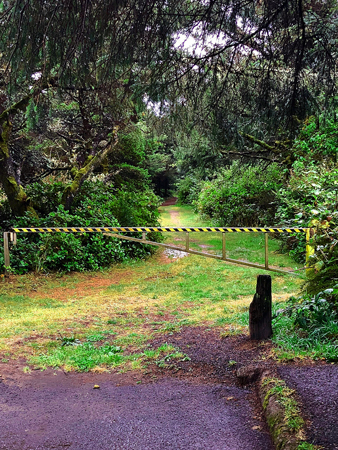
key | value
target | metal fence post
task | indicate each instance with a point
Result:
(309, 252)
(187, 241)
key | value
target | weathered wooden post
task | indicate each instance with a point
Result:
(260, 310)
(6, 253)
(266, 237)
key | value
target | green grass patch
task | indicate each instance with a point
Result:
(294, 343)
(86, 356)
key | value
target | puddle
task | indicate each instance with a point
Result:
(175, 254)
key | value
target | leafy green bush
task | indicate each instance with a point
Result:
(323, 273)
(188, 190)
(308, 326)
(314, 312)
(241, 196)
(97, 205)
(308, 200)
(317, 142)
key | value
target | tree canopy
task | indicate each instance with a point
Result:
(240, 76)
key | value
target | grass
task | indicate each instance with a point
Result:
(78, 321)
(295, 343)
(242, 246)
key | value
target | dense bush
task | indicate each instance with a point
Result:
(241, 196)
(308, 326)
(188, 190)
(308, 200)
(97, 205)
(314, 312)
(317, 143)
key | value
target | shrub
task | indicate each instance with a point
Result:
(309, 199)
(241, 196)
(308, 326)
(97, 205)
(188, 190)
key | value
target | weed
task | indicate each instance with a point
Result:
(307, 446)
(70, 341)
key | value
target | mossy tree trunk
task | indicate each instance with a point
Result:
(9, 179)
(81, 174)
(17, 198)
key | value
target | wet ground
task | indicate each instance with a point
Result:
(194, 404)
(318, 391)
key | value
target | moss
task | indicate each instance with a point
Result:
(283, 414)
(21, 105)
(286, 398)
(4, 140)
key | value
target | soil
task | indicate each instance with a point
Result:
(170, 201)
(318, 390)
(194, 404)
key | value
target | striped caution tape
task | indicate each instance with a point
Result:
(160, 229)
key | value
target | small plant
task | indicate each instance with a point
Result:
(313, 312)
(70, 341)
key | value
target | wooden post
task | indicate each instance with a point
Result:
(266, 236)
(13, 239)
(309, 252)
(260, 310)
(224, 254)
(6, 252)
(187, 242)
(143, 236)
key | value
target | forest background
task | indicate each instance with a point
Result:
(107, 106)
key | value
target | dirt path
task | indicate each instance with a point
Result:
(170, 201)
(195, 405)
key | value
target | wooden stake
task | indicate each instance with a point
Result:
(260, 316)
(187, 241)
(224, 254)
(266, 236)
(6, 252)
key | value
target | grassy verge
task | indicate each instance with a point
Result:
(295, 343)
(104, 321)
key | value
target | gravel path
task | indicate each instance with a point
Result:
(59, 411)
(318, 390)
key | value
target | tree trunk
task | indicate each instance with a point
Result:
(260, 310)
(17, 198)
(82, 174)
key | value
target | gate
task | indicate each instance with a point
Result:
(11, 236)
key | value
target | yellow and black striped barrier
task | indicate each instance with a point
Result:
(158, 229)
(10, 236)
